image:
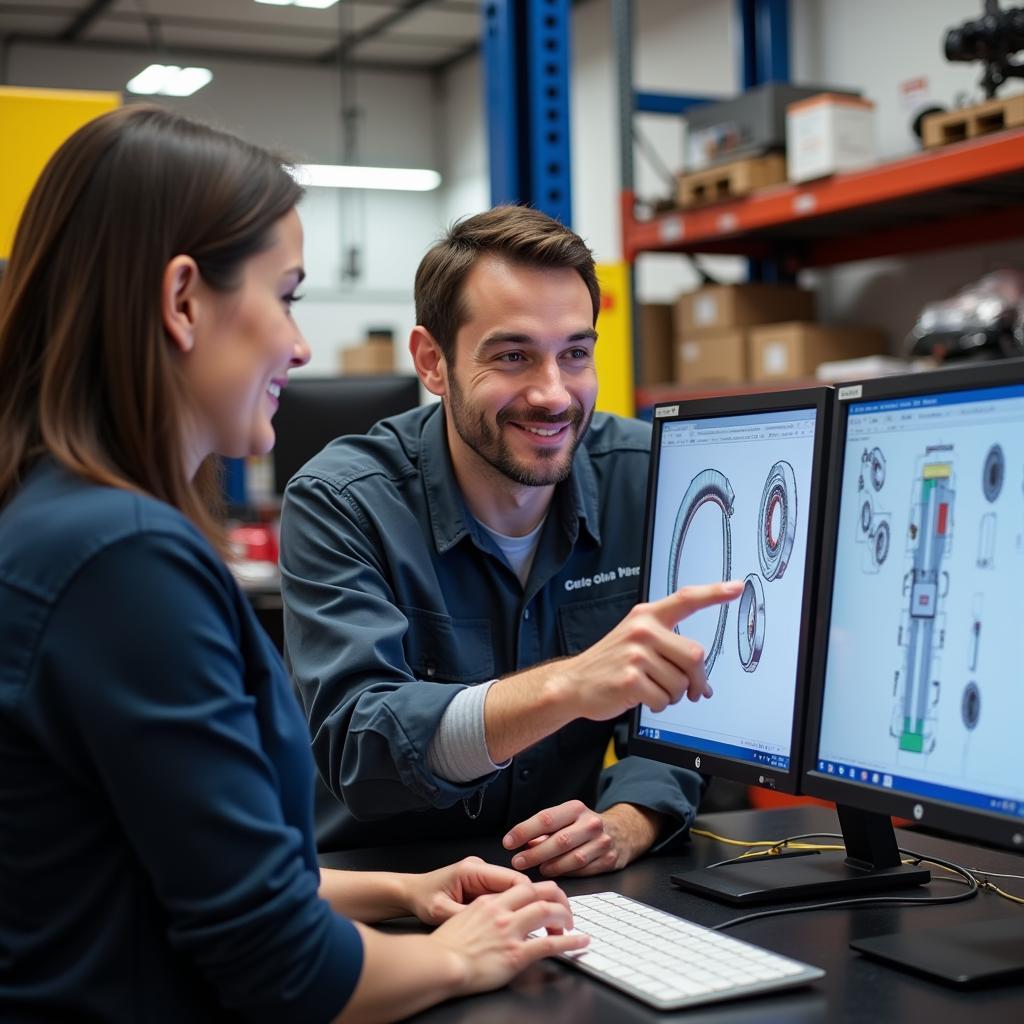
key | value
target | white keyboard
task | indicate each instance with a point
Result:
(670, 963)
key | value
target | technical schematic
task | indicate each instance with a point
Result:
(777, 521)
(750, 624)
(707, 486)
(922, 632)
(727, 504)
(874, 530)
(924, 642)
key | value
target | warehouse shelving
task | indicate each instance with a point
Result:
(966, 193)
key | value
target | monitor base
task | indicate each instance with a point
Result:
(783, 880)
(972, 954)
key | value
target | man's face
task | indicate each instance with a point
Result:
(522, 384)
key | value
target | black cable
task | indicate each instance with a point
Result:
(872, 901)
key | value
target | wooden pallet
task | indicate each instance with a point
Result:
(729, 181)
(970, 122)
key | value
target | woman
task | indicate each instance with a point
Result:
(157, 859)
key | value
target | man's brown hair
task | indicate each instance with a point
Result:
(518, 234)
(87, 374)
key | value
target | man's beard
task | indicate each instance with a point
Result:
(490, 445)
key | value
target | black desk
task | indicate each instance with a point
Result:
(854, 989)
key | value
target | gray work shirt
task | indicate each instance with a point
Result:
(396, 599)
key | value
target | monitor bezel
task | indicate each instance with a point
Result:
(928, 811)
(818, 398)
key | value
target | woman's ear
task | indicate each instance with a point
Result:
(179, 305)
(429, 361)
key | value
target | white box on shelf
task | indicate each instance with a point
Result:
(828, 133)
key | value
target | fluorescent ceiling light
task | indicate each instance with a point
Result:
(405, 179)
(318, 5)
(169, 80)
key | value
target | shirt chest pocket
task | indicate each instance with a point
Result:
(583, 623)
(441, 649)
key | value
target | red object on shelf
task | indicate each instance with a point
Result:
(256, 543)
(969, 192)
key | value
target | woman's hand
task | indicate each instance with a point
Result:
(436, 896)
(490, 940)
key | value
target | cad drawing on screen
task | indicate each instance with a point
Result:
(750, 627)
(708, 486)
(777, 521)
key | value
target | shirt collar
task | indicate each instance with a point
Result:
(575, 499)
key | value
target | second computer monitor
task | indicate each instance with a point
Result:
(917, 703)
(733, 494)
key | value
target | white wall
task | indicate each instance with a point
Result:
(296, 110)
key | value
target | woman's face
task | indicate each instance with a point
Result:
(244, 343)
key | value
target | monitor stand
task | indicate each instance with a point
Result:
(872, 864)
(975, 953)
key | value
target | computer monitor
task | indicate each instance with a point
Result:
(916, 703)
(315, 410)
(734, 492)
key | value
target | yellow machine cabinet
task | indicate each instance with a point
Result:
(614, 352)
(33, 123)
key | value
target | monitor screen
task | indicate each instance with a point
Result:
(918, 669)
(313, 411)
(734, 495)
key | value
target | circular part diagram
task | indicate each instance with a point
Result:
(707, 486)
(881, 548)
(777, 521)
(866, 515)
(750, 628)
(994, 472)
(877, 469)
(970, 705)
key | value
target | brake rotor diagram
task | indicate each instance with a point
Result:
(750, 625)
(970, 706)
(777, 521)
(874, 529)
(707, 486)
(993, 473)
(922, 631)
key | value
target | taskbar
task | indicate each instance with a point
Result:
(916, 787)
(700, 745)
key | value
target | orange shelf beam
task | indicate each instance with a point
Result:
(735, 227)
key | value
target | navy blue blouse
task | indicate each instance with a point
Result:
(157, 859)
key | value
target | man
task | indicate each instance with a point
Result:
(434, 568)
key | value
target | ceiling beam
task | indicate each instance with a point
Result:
(364, 35)
(213, 54)
(81, 21)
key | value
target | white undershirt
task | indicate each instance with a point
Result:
(519, 552)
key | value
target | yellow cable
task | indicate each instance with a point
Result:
(774, 847)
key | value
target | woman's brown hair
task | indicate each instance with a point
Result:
(87, 373)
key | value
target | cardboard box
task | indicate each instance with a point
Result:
(719, 357)
(369, 357)
(829, 133)
(791, 350)
(657, 343)
(723, 307)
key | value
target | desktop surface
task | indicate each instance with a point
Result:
(855, 989)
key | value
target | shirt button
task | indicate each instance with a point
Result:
(525, 773)
(526, 614)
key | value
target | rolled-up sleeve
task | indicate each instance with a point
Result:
(371, 719)
(162, 723)
(667, 789)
